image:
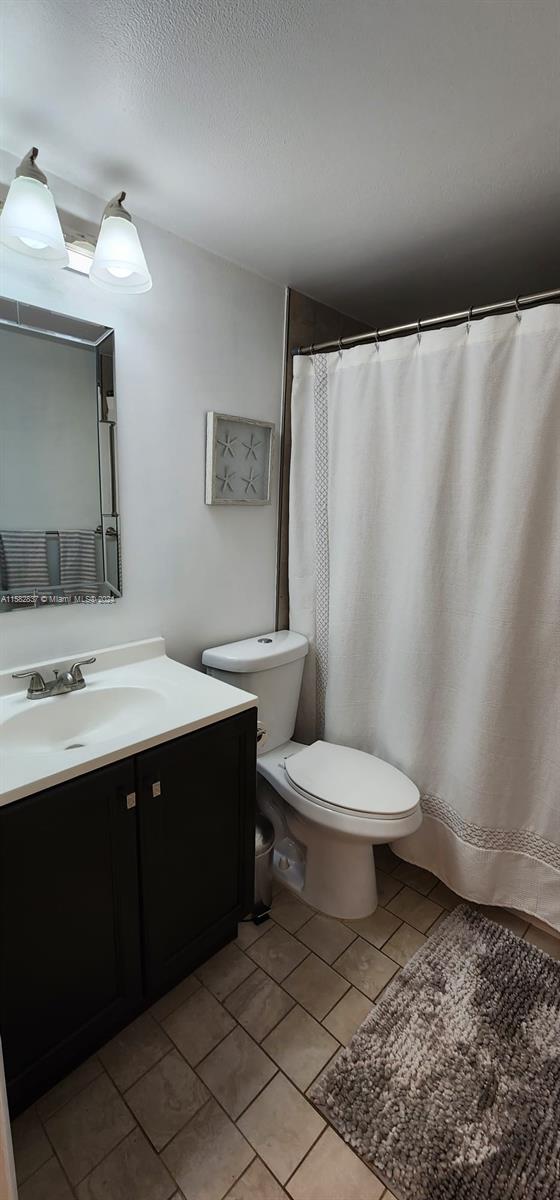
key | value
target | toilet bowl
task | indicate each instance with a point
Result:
(338, 803)
(329, 804)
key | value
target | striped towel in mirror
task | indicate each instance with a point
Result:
(78, 559)
(23, 559)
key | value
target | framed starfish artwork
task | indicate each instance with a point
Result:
(238, 459)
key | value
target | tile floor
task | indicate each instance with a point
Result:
(204, 1096)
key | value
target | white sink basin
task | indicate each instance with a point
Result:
(78, 719)
(135, 698)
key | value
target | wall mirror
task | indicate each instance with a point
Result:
(59, 515)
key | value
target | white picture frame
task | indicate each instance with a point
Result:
(239, 457)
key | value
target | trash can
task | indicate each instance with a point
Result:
(264, 848)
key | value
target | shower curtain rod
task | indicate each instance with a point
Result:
(471, 314)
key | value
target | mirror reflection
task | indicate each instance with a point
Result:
(59, 522)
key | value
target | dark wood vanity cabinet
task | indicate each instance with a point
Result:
(196, 810)
(113, 887)
(70, 969)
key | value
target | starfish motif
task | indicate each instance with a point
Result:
(225, 480)
(251, 447)
(250, 480)
(227, 443)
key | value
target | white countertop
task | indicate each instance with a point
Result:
(172, 700)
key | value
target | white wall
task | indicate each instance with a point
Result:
(209, 335)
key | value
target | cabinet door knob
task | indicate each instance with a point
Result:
(156, 789)
(131, 800)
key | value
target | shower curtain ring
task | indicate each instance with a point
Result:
(469, 319)
(340, 347)
(418, 331)
(376, 336)
(517, 308)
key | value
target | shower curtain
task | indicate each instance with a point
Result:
(425, 571)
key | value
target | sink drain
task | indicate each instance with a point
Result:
(74, 746)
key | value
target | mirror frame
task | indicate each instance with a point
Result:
(58, 327)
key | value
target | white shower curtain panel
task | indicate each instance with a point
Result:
(425, 570)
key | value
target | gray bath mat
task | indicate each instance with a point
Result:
(451, 1087)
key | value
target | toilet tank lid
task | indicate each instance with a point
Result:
(259, 653)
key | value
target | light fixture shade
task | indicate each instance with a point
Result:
(29, 222)
(118, 263)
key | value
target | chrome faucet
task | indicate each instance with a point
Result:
(63, 682)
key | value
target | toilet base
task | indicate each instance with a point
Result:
(338, 874)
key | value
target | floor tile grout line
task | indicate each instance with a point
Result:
(135, 1081)
(137, 1124)
(304, 1090)
(209, 989)
(28, 1178)
(273, 1027)
(259, 1046)
(150, 1010)
(323, 1068)
(72, 1186)
(343, 997)
(211, 1094)
(75, 1186)
(329, 1125)
(326, 964)
(280, 982)
(326, 1126)
(329, 1011)
(157, 1063)
(78, 1092)
(210, 1099)
(237, 1023)
(317, 952)
(55, 1154)
(194, 1066)
(278, 1067)
(375, 947)
(308, 1152)
(215, 1100)
(257, 1158)
(228, 996)
(277, 1070)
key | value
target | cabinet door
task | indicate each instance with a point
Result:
(70, 970)
(196, 818)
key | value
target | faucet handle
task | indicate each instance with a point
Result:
(37, 685)
(75, 669)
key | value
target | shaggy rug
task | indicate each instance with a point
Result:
(451, 1087)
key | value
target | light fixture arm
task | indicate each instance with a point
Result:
(28, 167)
(115, 209)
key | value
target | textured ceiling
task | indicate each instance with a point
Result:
(385, 156)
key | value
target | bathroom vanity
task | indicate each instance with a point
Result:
(126, 855)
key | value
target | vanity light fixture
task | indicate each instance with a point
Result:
(29, 222)
(119, 263)
(80, 255)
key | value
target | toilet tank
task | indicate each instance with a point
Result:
(271, 666)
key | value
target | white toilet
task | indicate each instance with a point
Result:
(329, 804)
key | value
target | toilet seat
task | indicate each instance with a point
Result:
(351, 781)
